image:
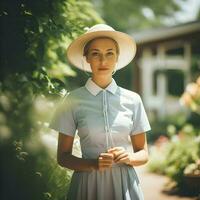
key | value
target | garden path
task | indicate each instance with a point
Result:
(153, 186)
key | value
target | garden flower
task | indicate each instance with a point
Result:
(186, 99)
(192, 89)
(191, 96)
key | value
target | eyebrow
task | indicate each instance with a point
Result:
(98, 49)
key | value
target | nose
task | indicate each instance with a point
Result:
(103, 59)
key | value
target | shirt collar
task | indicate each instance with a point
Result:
(94, 89)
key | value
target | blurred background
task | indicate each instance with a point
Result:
(35, 75)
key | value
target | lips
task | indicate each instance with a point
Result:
(103, 68)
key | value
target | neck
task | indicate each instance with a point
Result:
(103, 81)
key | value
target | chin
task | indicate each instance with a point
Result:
(103, 73)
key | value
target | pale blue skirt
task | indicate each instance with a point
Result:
(118, 183)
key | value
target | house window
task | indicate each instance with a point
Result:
(174, 81)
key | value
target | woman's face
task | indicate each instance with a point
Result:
(102, 56)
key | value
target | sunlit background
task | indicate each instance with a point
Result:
(35, 75)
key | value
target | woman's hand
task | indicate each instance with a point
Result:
(105, 161)
(120, 155)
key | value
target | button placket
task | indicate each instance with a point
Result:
(104, 116)
(106, 121)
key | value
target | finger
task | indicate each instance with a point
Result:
(111, 150)
(124, 155)
(106, 162)
(118, 153)
(123, 160)
(108, 158)
(107, 155)
(102, 159)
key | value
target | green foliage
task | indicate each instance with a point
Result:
(179, 156)
(36, 33)
(31, 174)
(129, 15)
(159, 126)
(20, 144)
(33, 75)
(180, 153)
(173, 157)
(57, 179)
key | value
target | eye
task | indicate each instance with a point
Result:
(95, 54)
(110, 53)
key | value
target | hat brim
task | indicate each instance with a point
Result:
(127, 48)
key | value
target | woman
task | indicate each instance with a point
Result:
(105, 116)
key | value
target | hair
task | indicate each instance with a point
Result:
(87, 45)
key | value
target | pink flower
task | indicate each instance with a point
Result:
(193, 89)
(161, 141)
(186, 99)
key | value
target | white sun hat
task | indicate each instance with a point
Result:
(127, 46)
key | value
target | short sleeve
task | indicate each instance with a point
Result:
(63, 119)
(140, 120)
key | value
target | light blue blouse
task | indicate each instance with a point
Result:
(102, 118)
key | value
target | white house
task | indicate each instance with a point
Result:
(163, 65)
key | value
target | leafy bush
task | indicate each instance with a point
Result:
(33, 75)
(172, 157)
(175, 156)
(159, 126)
